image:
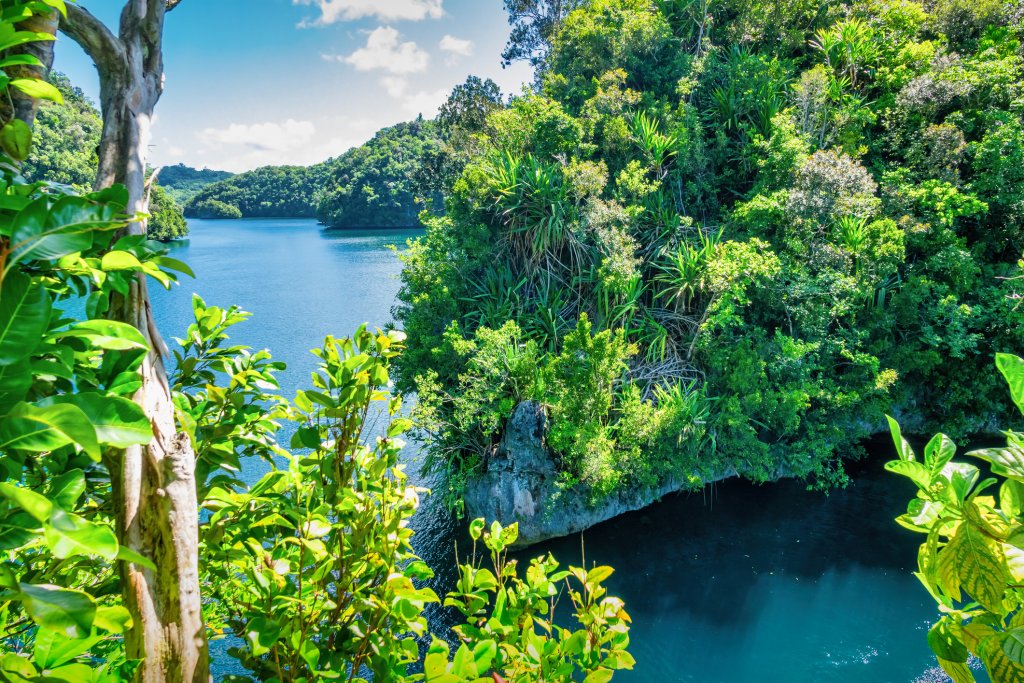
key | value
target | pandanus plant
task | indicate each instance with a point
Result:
(849, 48)
(530, 198)
(659, 147)
(681, 274)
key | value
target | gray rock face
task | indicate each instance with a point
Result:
(520, 484)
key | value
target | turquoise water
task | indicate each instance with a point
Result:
(737, 584)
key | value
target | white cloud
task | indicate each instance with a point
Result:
(332, 11)
(456, 46)
(395, 85)
(384, 51)
(241, 146)
(424, 102)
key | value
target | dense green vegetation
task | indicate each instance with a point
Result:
(184, 182)
(971, 560)
(375, 185)
(66, 135)
(738, 231)
(166, 221)
(266, 192)
(311, 567)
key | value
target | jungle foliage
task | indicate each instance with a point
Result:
(791, 215)
(311, 567)
(374, 185)
(972, 562)
(184, 182)
(266, 192)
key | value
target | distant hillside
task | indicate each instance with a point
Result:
(267, 192)
(369, 186)
(184, 182)
(375, 185)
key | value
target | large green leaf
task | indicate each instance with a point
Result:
(34, 239)
(69, 611)
(976, 563)
(119, 422)
(53, 649)
(24, 317)
(1007, 461)
(38, 429)
(1012, 368)
(35, 504)
(15, 381)
(68, 535)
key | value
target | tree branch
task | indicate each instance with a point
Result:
(106, 51)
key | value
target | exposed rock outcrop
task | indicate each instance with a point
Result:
(520, 484)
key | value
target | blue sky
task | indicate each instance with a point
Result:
(255, 82)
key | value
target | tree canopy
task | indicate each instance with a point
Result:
(758, 224)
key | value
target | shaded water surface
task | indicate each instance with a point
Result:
(737, 584)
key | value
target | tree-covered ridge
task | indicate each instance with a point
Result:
(375, 185)
(184, 182)
(65, 138)
(777, 219)
(266, 192)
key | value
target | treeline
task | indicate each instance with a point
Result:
(370, 186)
(727, 236)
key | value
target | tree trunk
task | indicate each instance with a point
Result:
(155, 485)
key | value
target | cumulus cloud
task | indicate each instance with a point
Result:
(456, 46)
(384, 51)
(395, 85)
(242, 146)
(332, 11)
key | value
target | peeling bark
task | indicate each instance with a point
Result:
(155, 485)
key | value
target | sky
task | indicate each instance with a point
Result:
(257, 82)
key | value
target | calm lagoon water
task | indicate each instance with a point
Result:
(737, 584)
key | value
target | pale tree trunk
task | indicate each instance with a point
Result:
(155, 486)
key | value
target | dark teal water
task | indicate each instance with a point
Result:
(734, 585)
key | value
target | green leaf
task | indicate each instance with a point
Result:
(52, 649)
(67, 488)
(483, 654)
(16, 139)
(974, 562)
(47, 428)
(69, 535)
(113, 619)
(128, 555)
(41, 90)
(1007, 462)
(476, 528)
(120, 260)
(598, 575)
(15, 381)
(33, 240)
(599, 676)
(939, 451)
(915, 471)
(35, 504)
(958, 671)
(118, 421)
(24, 317)
(1012, 368)
(946, 642)
(70, 612)
(903, 448)
(262, 634)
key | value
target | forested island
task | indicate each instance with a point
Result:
(374, 185)
(710, 239)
